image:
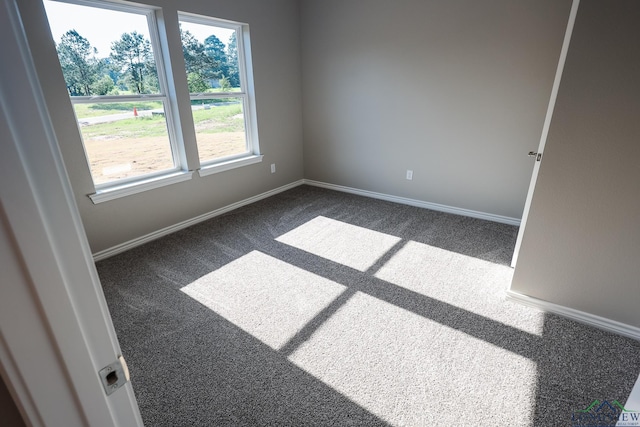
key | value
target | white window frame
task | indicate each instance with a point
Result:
(252, 155)
(181, 171)
(127, 186)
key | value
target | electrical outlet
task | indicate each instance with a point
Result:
(409, 174)
(273, 168)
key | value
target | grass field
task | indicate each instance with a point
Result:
(138, 146)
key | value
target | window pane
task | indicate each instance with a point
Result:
(102, 51)
(124, 139)
(211, 58)
(220, 128)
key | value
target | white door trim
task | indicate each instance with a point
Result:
(55, 329)
(545, 127)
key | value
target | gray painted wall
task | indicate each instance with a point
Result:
(274, 27)
(581, 246)
(455, 90)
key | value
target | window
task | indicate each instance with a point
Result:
(111, 58)
(215, 69)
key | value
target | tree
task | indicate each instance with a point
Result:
(233, 73)
(195, 58)
(224, 84)
(106, 67)
(215, 49)
(197, 83)
(199, 65)
(103, 86)
(132, 55)
(78, 62)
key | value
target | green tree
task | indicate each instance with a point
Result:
(103, 86)
(197, 83)
(199, 66)
(133, 57)
(233, 73)
(106, 67)
(152, 84)
(78, 62)
(215, 49)
(224, 84)
(195, 58)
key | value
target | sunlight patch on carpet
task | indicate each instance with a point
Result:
(337, 241)
(264, 296)
(466, 282)
(409, 370)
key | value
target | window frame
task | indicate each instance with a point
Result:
(252, 153)
(162, 45)
(149, 12)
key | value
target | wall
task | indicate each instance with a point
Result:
(455, 90)
(582, 240)
(274, 27)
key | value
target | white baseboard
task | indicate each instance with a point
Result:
(417, 203)
(98, 256)
(577, 315)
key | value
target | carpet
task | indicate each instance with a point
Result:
(315, 307)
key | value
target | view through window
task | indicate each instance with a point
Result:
(110, 69)
(110, 56)
(218, 98)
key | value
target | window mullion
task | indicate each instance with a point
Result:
(116, 98)
(215, 95)
(165, 80)
(177, 88)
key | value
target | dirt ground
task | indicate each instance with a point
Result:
(117, 158)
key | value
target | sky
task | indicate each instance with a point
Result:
(102, 26)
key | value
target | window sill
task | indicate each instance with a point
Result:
(117, 191)
(230, 164)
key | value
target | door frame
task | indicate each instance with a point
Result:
(545, 128)
(56, 332)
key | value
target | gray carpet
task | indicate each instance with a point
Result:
(315, 307)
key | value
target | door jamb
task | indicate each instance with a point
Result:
(54, 277)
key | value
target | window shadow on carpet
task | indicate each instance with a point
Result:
(320, 308)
